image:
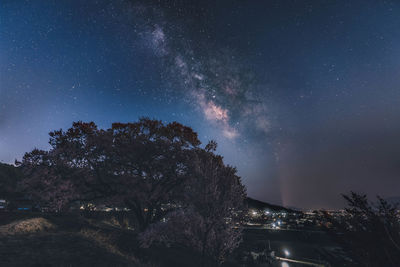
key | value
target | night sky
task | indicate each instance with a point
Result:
(303, 97)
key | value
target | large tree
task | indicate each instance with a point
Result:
(186, 193)
(138, 165)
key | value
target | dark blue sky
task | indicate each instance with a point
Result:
(302, 96)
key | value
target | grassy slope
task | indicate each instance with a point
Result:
(37, 239)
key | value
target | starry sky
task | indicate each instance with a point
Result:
(303, 97)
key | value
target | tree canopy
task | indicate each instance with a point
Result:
(135, 165)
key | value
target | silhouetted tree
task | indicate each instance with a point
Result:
(135, 165)
(208, 219)
(370, 232)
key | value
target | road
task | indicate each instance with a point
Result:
(300, 262)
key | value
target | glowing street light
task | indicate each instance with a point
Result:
(286, 252)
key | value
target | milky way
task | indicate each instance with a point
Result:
(212, 81)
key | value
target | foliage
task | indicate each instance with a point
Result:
(370, 232)
(208, 218)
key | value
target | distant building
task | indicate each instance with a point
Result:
(3, 204)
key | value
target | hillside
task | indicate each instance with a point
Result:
(260, 205)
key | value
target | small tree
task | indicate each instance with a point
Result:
(208, 219)
(370, 232)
